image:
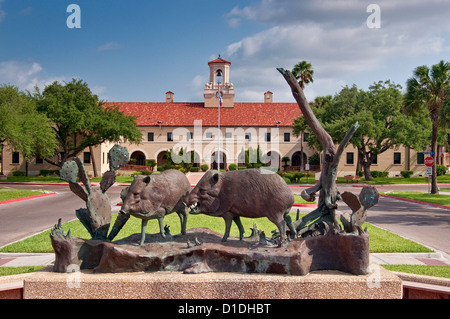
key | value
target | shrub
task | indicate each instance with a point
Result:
(204, 167)
(379, 174)
(294, 177)
(19, 173)
(441, 169)
(143, 172)
(48, 172)
(194, 169)
(232, 167)
(406, 174)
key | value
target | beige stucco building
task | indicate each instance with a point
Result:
(218, 136)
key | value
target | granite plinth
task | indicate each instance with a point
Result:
(379, 284)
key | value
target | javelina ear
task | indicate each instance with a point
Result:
(215, 177)
(147, 179)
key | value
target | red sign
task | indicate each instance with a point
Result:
(429, 161)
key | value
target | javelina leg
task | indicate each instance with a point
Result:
(228, 220)
(281, 225)
(183, 220)
(237, 220)
(143, 227)
(161, 227)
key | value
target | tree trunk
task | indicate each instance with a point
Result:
(94, 166)
(326, 210)
(365, 162)
(434, 134)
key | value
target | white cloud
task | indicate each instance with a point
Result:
(2, 12)
(334, 37)
(110, 46)
(25, 75)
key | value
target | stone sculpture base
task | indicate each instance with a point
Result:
(205, 252)
(380, 284)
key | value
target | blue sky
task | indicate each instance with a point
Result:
(137, 50)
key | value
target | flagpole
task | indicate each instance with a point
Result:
(218, 126)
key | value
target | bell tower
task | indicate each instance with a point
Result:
(219, 84)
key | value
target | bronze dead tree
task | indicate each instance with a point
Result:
(325, 214)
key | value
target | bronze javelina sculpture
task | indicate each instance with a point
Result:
(153, 197)
(249, 193)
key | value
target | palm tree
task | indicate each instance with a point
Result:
(303, 72)
(430, 88)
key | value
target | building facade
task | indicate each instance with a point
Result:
(218, 131)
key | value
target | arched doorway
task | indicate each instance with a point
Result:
(161, 159)
(138, 158)
(218, 157)
(299, 160)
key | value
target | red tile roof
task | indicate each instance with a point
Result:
(184, 114)
(219, 60)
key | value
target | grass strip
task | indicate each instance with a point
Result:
(9, 271)
(426, 270)
(10, 193)
(440, 199)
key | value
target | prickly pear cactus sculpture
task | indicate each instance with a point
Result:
(97, 216)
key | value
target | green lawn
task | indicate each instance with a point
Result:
(426, 270)
(10, 193)
(421, 196)
(35, 179)
(380, 240)
(300, 200)
(400, 180)
(8, 271)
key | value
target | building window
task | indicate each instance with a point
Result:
(39, 160)
(248, 137)
(287, 137)
(189, 136)
(209, 135)
(305, 136)
(375, 159)
(350, 158)
(169, 137)
(87, 157)
(15, 157)
(397, 158)
(228, 135)
(150, 137)
(420, 159)
(267, 137)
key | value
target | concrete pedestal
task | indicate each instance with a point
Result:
(378, 284)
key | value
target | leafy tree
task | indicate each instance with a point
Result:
(382, 124)
(304, 73)
(429, 89)
(21, 127)
(81, 121)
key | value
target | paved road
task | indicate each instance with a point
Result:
(26, 218)
(424, 224)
